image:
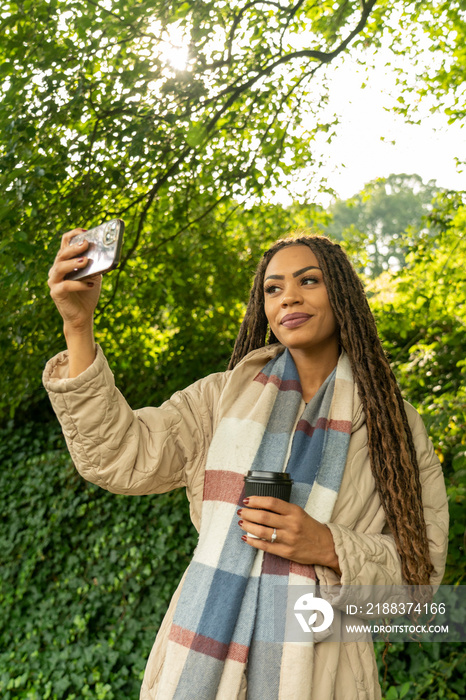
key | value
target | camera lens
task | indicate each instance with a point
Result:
(110, 233)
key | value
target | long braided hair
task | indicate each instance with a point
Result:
(390, 443)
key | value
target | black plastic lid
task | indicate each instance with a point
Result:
(268, 476)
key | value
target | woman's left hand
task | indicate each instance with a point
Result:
(299, 537)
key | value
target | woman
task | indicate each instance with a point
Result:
(308, 389)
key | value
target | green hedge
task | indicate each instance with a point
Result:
(427, 671)
(86, 576)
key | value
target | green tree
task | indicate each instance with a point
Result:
(379, 222)
(421, 313)
(96, 121)
(433, 48)
(421, 317)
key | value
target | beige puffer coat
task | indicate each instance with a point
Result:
(154, 450)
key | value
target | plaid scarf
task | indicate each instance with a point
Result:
(224, 620)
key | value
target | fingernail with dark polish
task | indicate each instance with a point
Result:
(240, 522)
(245, 501)
(244, 538)
(238, 512)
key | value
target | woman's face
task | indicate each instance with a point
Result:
(296, 301)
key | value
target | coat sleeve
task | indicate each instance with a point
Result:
(151, 450)
(368, 558)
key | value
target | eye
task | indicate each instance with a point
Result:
(309, 280)
(271, 289)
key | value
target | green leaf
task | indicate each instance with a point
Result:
(196, 135)
(405, 688)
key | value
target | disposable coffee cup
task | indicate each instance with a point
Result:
(275, 484)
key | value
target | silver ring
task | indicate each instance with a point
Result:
(274, 535)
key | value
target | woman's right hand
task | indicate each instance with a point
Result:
(75, 300)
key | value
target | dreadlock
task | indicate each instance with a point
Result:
(391, 448)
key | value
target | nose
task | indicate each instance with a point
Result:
(291, 296)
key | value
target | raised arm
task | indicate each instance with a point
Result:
(76, 302)
(151, 450)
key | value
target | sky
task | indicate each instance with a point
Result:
(372, 141)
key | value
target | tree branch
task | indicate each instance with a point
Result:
(322, 56)
(153, 250)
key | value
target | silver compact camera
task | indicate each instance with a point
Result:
(103, 251)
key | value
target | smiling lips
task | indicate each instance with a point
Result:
(294, 320)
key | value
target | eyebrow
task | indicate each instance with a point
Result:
(295, 274)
